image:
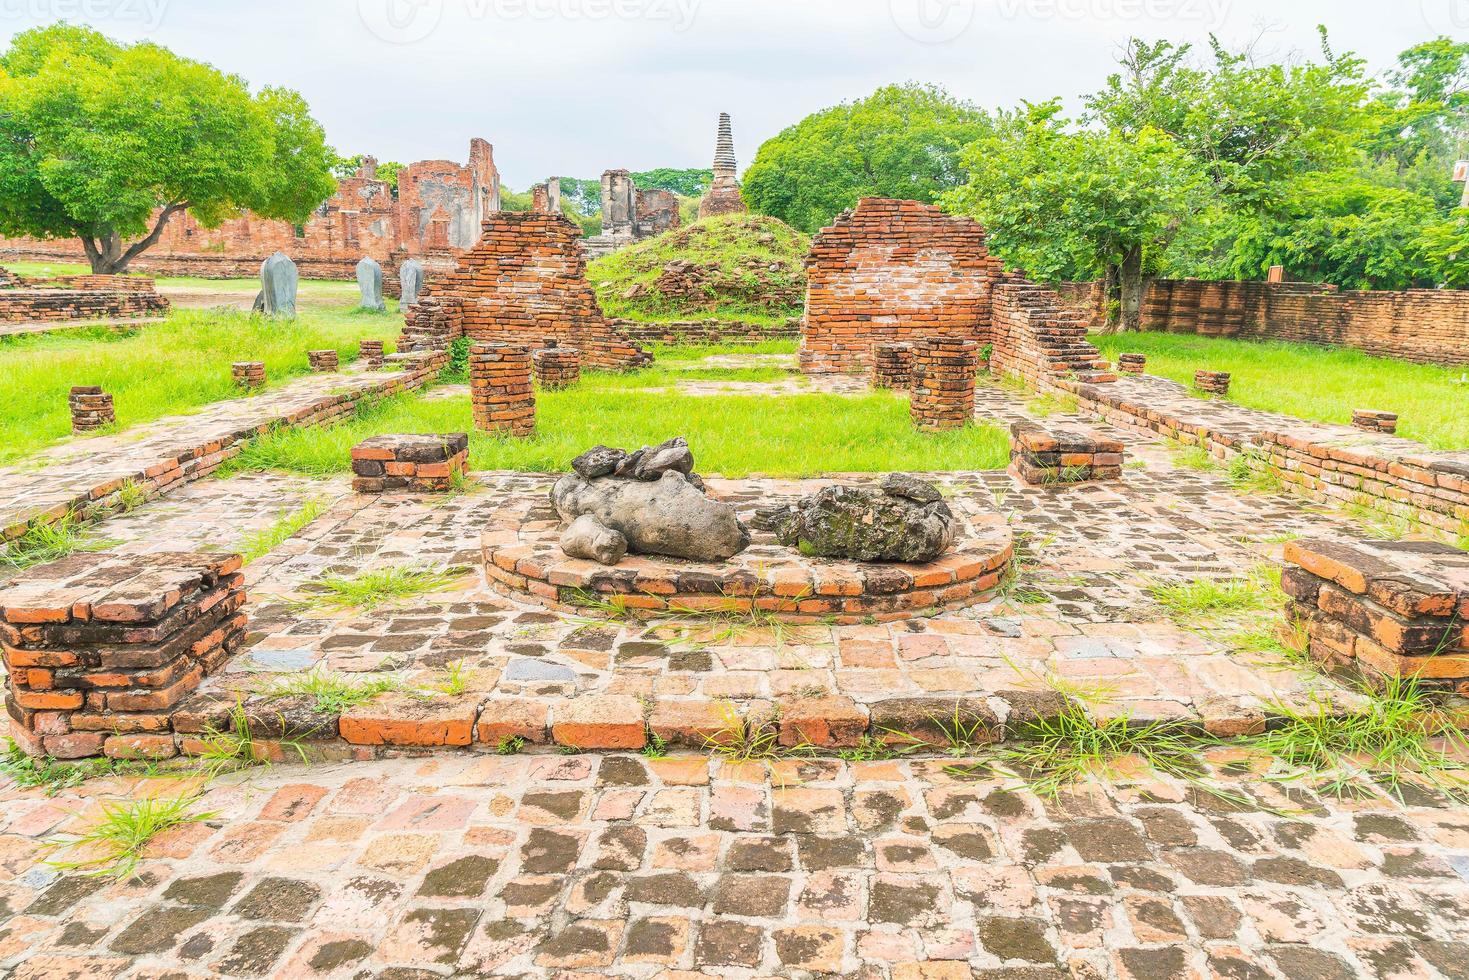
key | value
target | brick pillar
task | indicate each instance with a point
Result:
(500, 387)
(100, 654)
(91, 408)
(557, 367)
(892, 366)
(322, 361)
(248, 374)
(370, 353)
(943, 383)
(1370, 421)
(1132, 363)
(1212, 382)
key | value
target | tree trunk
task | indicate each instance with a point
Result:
(1111, 298)
(106, 252)
(1132, 288)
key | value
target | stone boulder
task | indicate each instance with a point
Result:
(905, 521)
(410, 280)
(370, 284)
(279, 280)
(590, 539)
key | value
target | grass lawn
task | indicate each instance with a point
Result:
(160, 369)
(732, 435)
(1320, 384)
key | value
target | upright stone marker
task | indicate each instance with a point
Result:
(370, 282)
(279, 280)
(410, 277)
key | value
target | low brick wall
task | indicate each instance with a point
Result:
(27, 303)
(705, 331)
(100, 650)
(1045, 456)
(1385, 608)
(426, 463)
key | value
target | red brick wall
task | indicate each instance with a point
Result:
(1423, 325)
(1035, 335)
(893, 271)
(80, 298)
(524, 283)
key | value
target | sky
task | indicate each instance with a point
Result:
(576, 87)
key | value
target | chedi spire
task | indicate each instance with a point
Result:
(724, 193)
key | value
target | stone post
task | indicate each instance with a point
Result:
(892, 366)
(322, 361)
(1212, 382)
(500, 388)
(943, 383)
(1132, 363)
(557, 367)
(370, 353)
(248, 374)
(91, 408)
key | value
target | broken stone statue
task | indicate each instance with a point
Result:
(278, 281)
(906, 521)
(370, 283)
(650, 500)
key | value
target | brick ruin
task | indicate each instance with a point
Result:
(1042, 455)
(436, 214)
(724, 195)
(631, 214)
(421, 463)
(24, 300)
(524, 283)
(894, 271)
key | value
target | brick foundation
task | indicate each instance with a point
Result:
(557, 367)
(100, 650)
(524, 282)
(705, 331)
(91, 409)
(1212, 382)
(425, 463)
(501, 390)
(1385, 608)
(943, 383)
(81, 298)
(1132, 363)
(370, 353)
(248, 374)
(322, 361)
(1371, 421)
(1045, 456)
(892, 366)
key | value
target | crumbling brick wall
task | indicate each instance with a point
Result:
(1423, 325)
(523, 283)
(893, 271)
(81, 298)
(8, 278)
(657, 211)
(1036, 336)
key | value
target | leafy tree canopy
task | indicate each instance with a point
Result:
(104, 142)
(902, 141)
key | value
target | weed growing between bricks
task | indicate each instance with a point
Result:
(42, 543)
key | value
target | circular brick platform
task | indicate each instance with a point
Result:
(523, 560)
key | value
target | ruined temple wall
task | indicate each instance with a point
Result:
(893, 270)
(523, 283)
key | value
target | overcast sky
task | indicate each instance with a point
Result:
(575, 87)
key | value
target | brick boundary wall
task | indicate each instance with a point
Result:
(196, 462)
(523, 283)
(81, 298)
(1383, 608)
(705, 331)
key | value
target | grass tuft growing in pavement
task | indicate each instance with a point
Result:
(1205, 598)
(333, 693)
(48, 542)
(261, 543)
(378, 587)
(114, 844)
(54, 777)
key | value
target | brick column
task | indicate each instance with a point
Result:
(557, 367)
(322, 361)
(1212, 382)
(500, 387)
(1132, 363)
(1370, 421)
(892, 366)
(943, 383)
(91, 408)
(99, 654)
(248, 374)
(409, 462)
(370, 353)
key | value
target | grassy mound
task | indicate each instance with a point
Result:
(734, 267)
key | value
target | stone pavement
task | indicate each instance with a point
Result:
(687, 868)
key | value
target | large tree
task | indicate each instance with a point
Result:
(902, 141)
(105, 142)
(1064, 202)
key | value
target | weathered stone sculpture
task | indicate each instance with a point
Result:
(278, 280)
(370, 283)
(651, 499)
(905, 521)
(410, 279)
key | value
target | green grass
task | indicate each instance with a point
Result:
(54, 777)
(49, 542)
(1204, 598)
(332, 693)
(378, 587)
(669, 354)
(114, 844)
(1314, 383)
(733, 435)
(758, 272)
(158, 369)
(261, 543)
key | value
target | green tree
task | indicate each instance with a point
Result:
(902, 141)
(1062, 202)
(105, 142)
(684, 183)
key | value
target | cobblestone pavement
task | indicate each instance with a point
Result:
(582, 866)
